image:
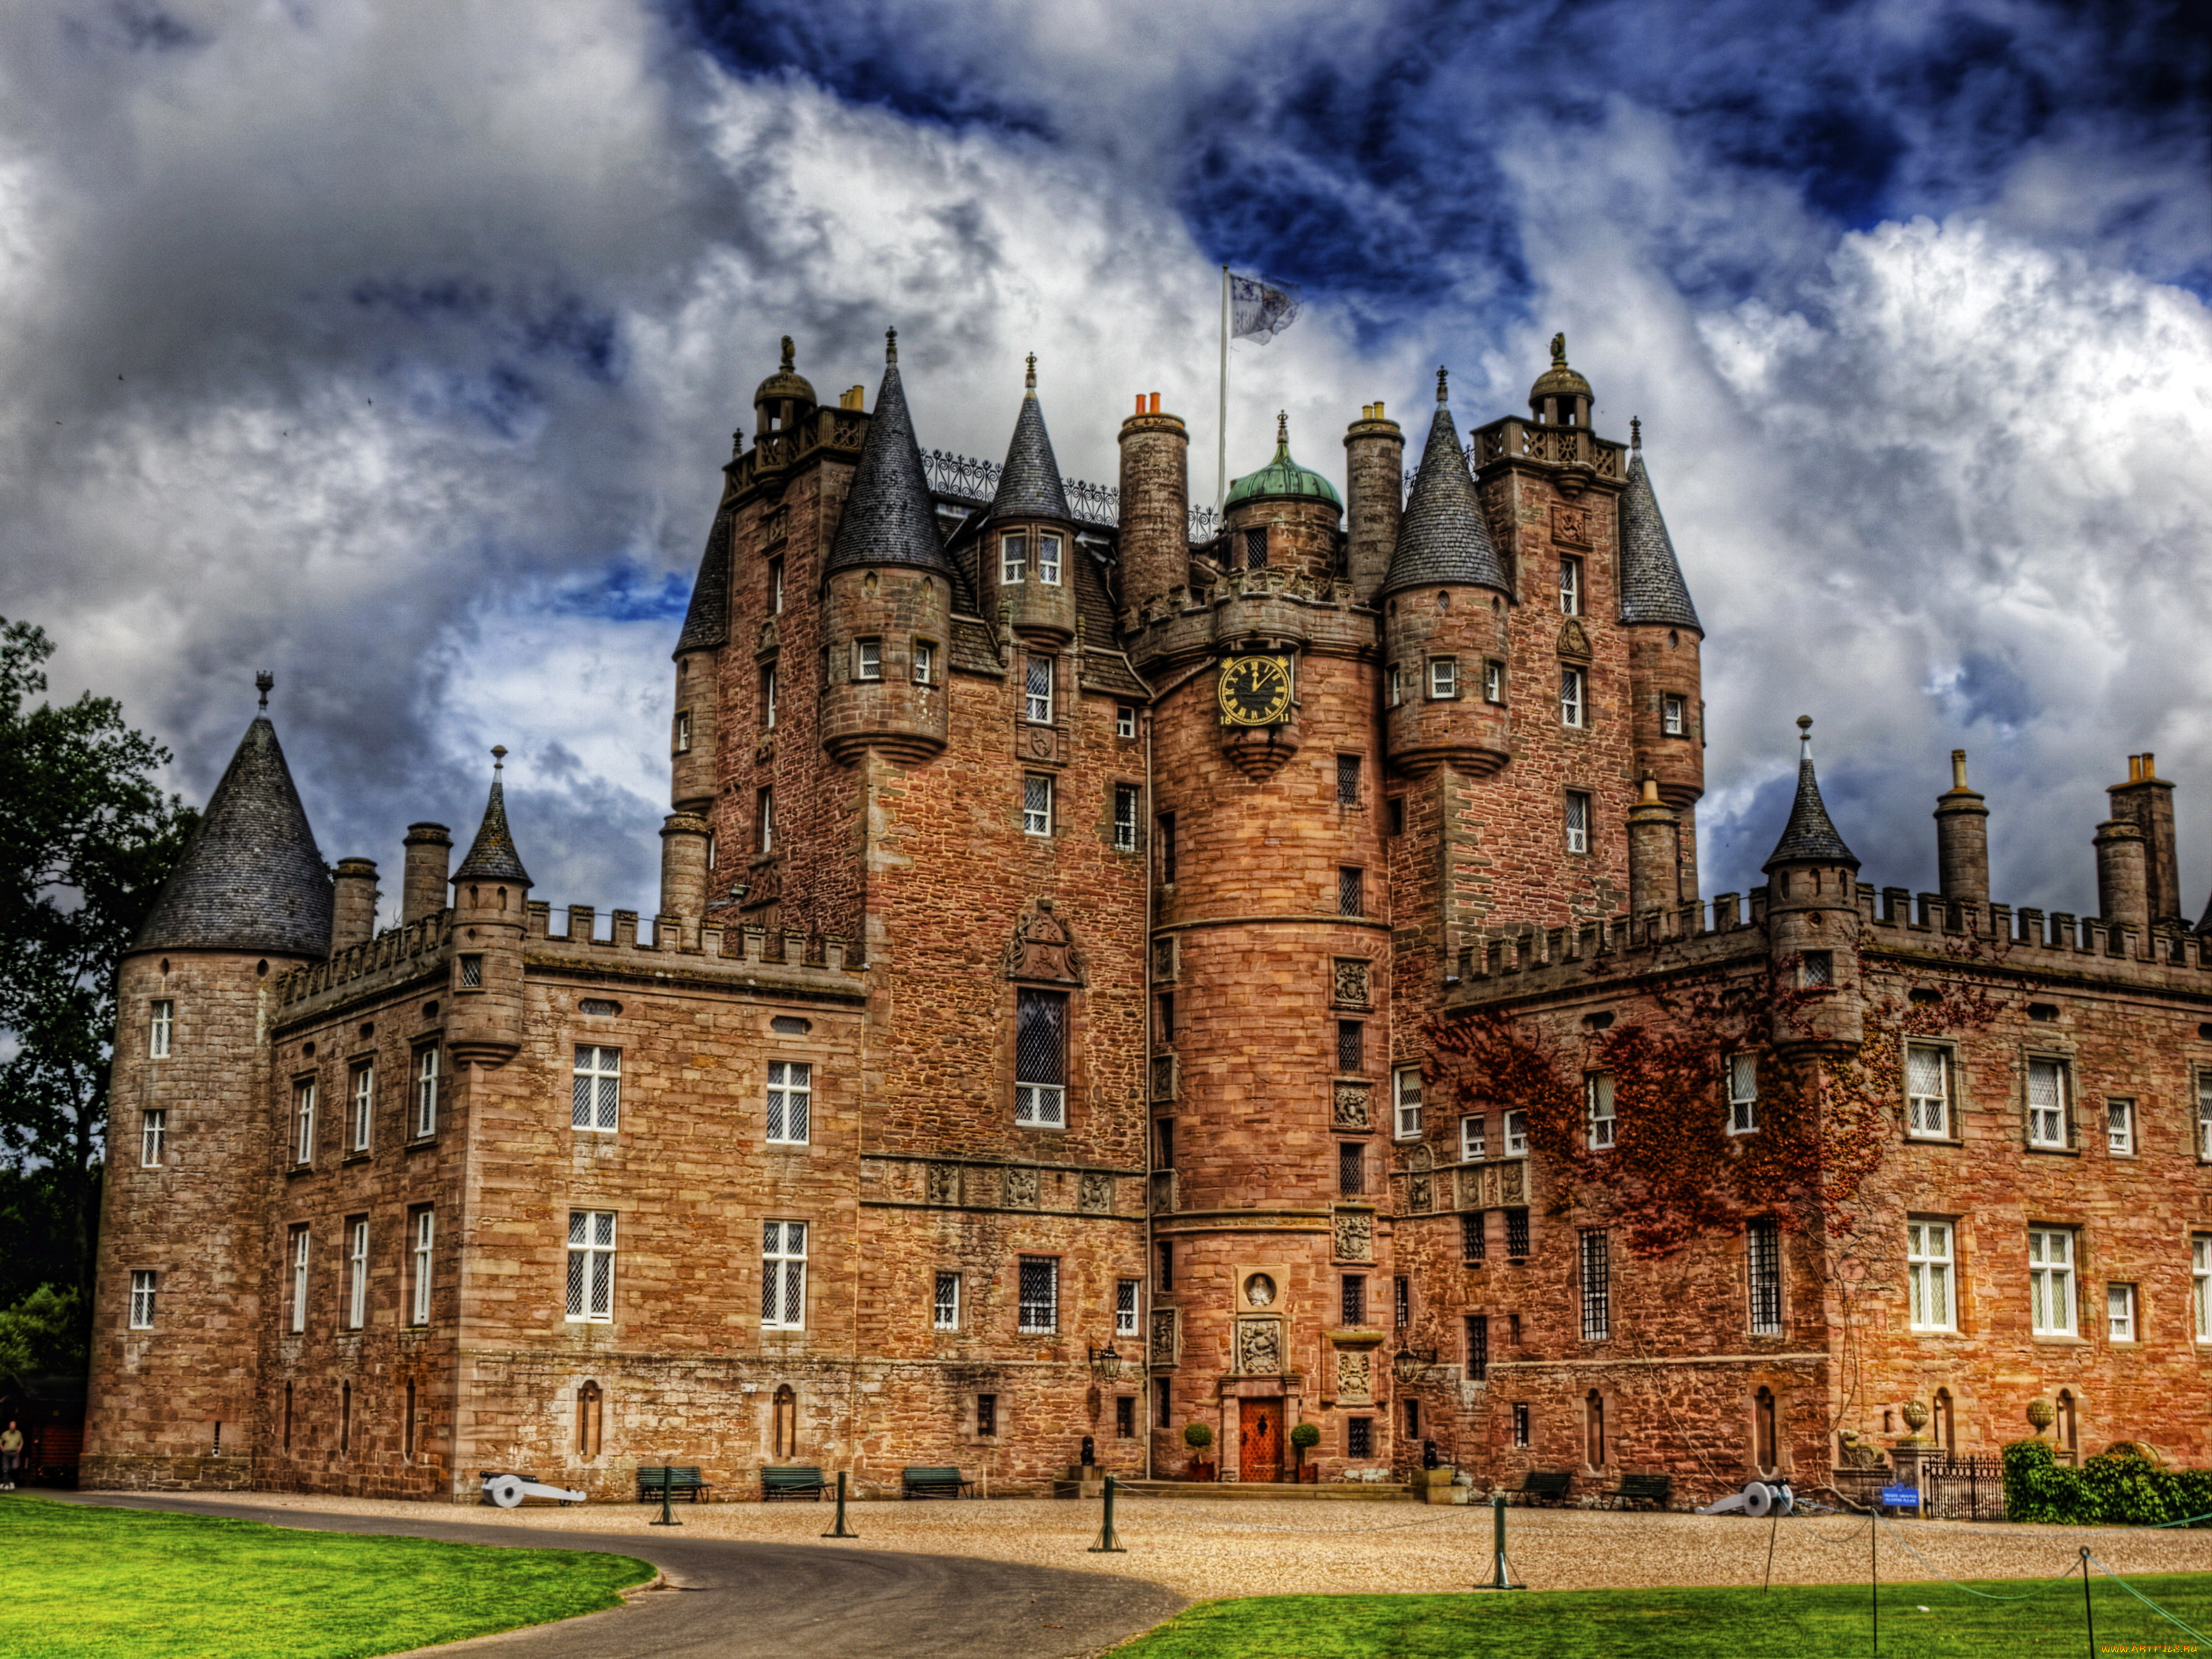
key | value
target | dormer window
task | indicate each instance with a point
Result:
(1014, 556)
(1049, 559)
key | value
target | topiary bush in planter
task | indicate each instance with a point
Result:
(1198, 1437)
(2119, 1487)
(1303, 1438)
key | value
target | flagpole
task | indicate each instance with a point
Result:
(1221, 425)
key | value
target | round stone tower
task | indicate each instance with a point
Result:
(1155, 499)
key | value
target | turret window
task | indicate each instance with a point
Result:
(1049, 559)
(1014, 556)
(1819, 969)
(1256, 548)
(681, 744)
(1350, 890)
(1571, 586)
(144, 1288)
(868, 659)
(1037, 692)
(1397, 685)
(1673, 717)
(1573, 698)
(1351, 1045)
(153, 1140)
(158, 1030)
(1493, 682)
(1347, 779)
(925, 663)
(472, 973)
(1443, 676)
(1578, 821)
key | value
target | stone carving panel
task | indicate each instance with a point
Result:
(1163, 1192)
(1259, 1347)
(1164, 1349)
(1043, 947)
(1355, 1375)
(1420, 1195)
(1355, 1236)
(1164, 1076)
(1515, 1179)
(1352, 982)
(1353, 1105)
(1571, 524)
(944, 1183)
(1021, 1189)
(1097, 1194)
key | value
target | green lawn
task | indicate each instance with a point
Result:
(77, 1583)
(1824, 1621)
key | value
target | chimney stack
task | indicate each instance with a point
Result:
(354, 919)
(2147, 799)
(2123, 897)
(1654, 876)
(1962, 839)
(1375, 490)
(422, 884)
(1155, 550)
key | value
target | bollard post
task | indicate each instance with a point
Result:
(1499, 1580)
(667, 1519)
(840, 1530)
(1107, 1544)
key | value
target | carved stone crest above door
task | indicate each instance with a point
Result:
(1043, 947)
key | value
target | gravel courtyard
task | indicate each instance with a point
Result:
(1205, 1549)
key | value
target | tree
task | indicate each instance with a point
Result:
(87, 838)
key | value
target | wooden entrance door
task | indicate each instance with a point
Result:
(1260, 1440)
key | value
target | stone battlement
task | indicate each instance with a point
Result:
(395, 954)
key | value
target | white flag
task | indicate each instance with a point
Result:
(1260, 307)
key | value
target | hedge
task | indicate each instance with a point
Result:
(2114, 1489)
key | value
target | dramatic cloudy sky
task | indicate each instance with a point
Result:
(395, 346)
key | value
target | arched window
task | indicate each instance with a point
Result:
(1947, 1435)
(1594, 1428)
(1764, 1451)
(784, 1430)
(2068, 1424)
(589, 1421)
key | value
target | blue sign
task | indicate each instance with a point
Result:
(1902, 1498)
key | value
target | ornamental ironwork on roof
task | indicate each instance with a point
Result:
(251, 878)
(888, 517)
(1810, 836)
(1651, 586)
(1442, 536)
(1028, 484)
(491, 855)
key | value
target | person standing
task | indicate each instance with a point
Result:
(11, 1455)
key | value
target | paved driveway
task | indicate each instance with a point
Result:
(729, 1599)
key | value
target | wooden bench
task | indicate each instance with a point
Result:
(1543, 1486)
(791, 1483)
(1653, 1489)
(683, 1480)
(934, 1483)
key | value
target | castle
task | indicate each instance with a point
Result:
(1095, 948)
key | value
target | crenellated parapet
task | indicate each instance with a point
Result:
(664, 948)
(1289, 606)
(394, 956)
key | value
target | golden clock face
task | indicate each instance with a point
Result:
(1255, 690)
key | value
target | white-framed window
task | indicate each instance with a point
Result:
(1926, 1091)
(945, 1306)
(1578, 821)
(682, 743)
(1125, 817)
(145, 1284)
(1397, 684)
(2051, 1281)
(1572, 699)
(299, 1279)
(868, 659)
(153, 1139)
(2046, 1103)
(1928, 1263)
(925, 662)
(2200, 1285)
(1493, 682)
(1125, 1307)
(1036, 804)
(776, 587)
(303, 1122)
(1039, 1307)
(426, 1093)
(2205, 1115)
(1037, 691)
(1443, 676)
(1571, 585)
(2120, 1127)
(1742, 1094)
(1405, 1102)
(790, 1100)
(1472, 1136)
(426, 1233)
(591, 1266)
(364, 1089)
(764, 817)
(160, 1025)
(596, 1092)
(1014, 556)
(783, 1275)
(1039, 1059)
(1599, 1116)
(357, 1273)
(1513, 1130)
(768, 689)
(1673, 717)
(1125, 720)
(1048, 558)
(2119, 1313)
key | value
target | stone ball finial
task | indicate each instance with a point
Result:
(498, 758)
(2041, 1414)
(1915, 1415)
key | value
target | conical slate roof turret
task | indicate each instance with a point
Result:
(1442, 537)
(1031, 487)
(1810, 836)
(889, 517)
(491, 855)
(1651, 586)
(707, 619)
(251, 878)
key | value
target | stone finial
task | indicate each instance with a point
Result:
(264, 683)
(1440, 375)
(890, 345)
(498, 758)
(1636, 433)
(2041, 1414)
(1915, 1415)
(1558, 350)
(1282, 429)
(790, 354)
(1030, 379)
(1804, 737)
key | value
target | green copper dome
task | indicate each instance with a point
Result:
(1283, 475)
